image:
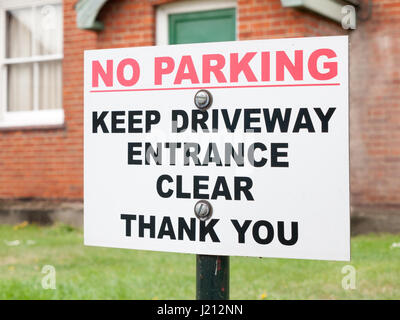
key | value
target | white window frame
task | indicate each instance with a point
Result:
(163, 11)
(34, 118)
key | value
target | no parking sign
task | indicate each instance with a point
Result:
(232, 148)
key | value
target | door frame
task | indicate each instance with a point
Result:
(163, 11)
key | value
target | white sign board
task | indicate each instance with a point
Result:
(271, 155)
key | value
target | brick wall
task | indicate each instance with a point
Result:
(49, 163)
(375, 112)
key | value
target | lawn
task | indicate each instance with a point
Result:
(102, 273)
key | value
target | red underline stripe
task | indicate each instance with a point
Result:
(223, 87)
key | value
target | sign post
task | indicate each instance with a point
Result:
(212, 277)
(219, 149)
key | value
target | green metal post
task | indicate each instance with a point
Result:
(212, 277)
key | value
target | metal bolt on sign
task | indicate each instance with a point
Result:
(203, 99)
(203, 210)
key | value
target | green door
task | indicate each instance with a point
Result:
(202, 26)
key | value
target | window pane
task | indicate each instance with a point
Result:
(48, 36)
(20, 87)
(50, 85)
(19, 33)
(202, 26)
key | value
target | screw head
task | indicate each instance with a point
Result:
(203, 210)
(203, 99)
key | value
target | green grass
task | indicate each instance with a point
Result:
(102, 273)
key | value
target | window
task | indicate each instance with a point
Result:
(196, 21)
(31, 53)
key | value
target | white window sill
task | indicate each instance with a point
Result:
(32, 119)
